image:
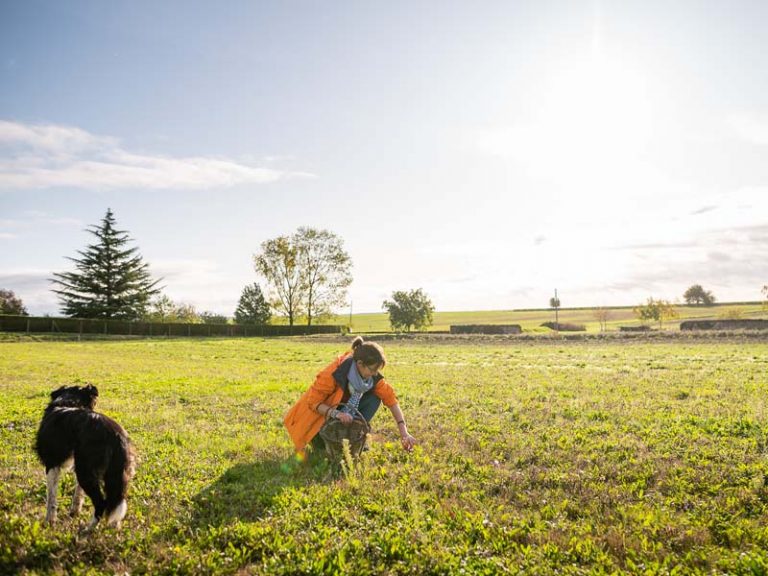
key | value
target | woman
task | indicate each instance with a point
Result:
(354, 380)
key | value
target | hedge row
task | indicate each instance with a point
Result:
(748, 324)
(486, 329)
(119, 327)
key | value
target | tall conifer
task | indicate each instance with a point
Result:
(110, 281)
(252, 308)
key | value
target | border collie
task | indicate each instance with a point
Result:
(71, 432)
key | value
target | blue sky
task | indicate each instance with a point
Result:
(487, 152)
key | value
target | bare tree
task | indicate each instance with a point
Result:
(325, 269)
(280, 265)
(602, 315)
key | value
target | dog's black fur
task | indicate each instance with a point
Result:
(103, 454)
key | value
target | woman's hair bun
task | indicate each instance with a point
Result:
(356, 342)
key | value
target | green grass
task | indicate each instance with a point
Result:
(531, 320)
(538, 458)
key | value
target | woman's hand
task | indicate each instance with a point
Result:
(408, 442)
(344, 417)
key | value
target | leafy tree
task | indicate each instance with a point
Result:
(252, 308)
(406, 309)
(656, 310)
(11, 304)
(602, 315)
(161, 309)
(187, 314)
(698, 296)
(110, 280)
(209, 317)
(325, 269)
(280, 264)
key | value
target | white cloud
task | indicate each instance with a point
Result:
(47, 156)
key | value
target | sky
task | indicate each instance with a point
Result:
(486, 152)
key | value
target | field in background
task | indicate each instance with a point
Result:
(531, 320)
(545, 458)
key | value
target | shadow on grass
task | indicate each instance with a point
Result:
(246, 491)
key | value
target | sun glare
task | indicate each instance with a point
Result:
(598, 115)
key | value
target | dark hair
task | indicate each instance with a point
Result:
(369, 353)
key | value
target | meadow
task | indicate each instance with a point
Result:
(532, 320)
(535, 457)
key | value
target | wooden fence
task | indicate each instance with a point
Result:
(46, 324)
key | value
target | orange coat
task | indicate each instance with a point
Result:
(304, 422)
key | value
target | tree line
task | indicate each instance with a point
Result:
(307, 274)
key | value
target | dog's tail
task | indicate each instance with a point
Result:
(116, 478)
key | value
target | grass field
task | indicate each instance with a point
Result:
(535, 457)
(531, 320)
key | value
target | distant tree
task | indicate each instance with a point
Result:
(731, 314)
(110, 281)
(698, 296)
(406, 309)
(160, 309)
(279, 263)
(186, 313)
(656, 310)
(602, 315)
(163, 309)
(554, 303)
(765, 294)
(11, 304)
(325, 270)
(252, 308)
(209, 317)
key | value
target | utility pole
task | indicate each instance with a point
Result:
(555, 303)
(350, 315)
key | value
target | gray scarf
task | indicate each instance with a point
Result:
(357, 387)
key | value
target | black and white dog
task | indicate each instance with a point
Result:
(99, 447)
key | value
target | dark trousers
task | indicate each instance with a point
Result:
(369, 405)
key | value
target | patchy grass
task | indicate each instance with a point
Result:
(537, 458)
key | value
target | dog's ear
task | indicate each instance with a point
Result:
(58, 392)
(92, 391)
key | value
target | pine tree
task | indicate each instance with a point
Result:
(252, 307)
(110, 281)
